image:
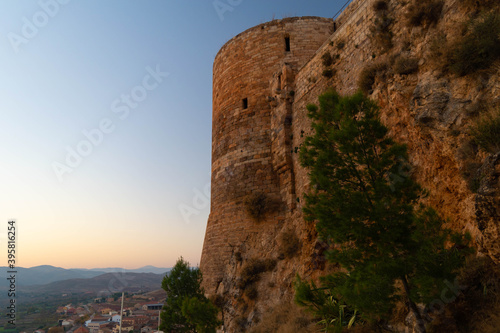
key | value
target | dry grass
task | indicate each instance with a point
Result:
(368, 74)
(380, 5)
(479, 48)
(381, 34)
(290, 243)
(405, 65)
(329, 73)
(252, 269)
(479, 4)
(257, 205)
(486, 131)
(424, 12)
(327, 59)
(285, 318)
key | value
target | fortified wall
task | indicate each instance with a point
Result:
(242, 123)
(262, 81)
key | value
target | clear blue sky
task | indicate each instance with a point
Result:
(136, 77)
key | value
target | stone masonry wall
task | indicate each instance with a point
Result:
(241, 135)
(256, 149)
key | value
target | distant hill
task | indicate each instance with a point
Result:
(41, 275)
(145, 269)
(102, 285)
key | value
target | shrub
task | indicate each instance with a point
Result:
(424, 12)
(284, 318)
(476, 307)
(437, 48)
(479, 48)
(479, 4)
(380, 5)
(251, 292)
(217, 300)
(257, 205)
(368, 75)
(290, 243)
(471, 175)
(381, 34)
(333, 314)
(486, 131)
(404, 65)
(340, 45)
(327, 59)
(328, 73)
(252, 269)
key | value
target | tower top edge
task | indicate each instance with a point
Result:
(274, 23)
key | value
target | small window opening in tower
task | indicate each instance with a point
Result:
(279, 81)
(287, 43)
(245, 103)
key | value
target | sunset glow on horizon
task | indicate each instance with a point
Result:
(106, 110)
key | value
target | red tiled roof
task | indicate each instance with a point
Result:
(81, 329)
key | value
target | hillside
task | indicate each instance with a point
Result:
(44, 274)
(101, 285)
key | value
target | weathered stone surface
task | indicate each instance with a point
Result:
(254, 149)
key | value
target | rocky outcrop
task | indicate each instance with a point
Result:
(428, 108)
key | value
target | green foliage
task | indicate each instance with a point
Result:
(182, 284)
(478, 300)
(486, 131)
(424, 12)
(479, 48)
(201, 313)
(365, 206)
(333, 315)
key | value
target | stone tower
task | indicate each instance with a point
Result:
(250, 136)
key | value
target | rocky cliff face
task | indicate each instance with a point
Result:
(399, 53)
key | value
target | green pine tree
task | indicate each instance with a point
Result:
(366, 208)
(182, 285)
(201, 313)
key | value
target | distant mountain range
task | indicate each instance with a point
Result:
(102, 285)
(41, 275)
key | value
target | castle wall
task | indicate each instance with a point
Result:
(242, 130)
(255, 149)
(352, 30)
